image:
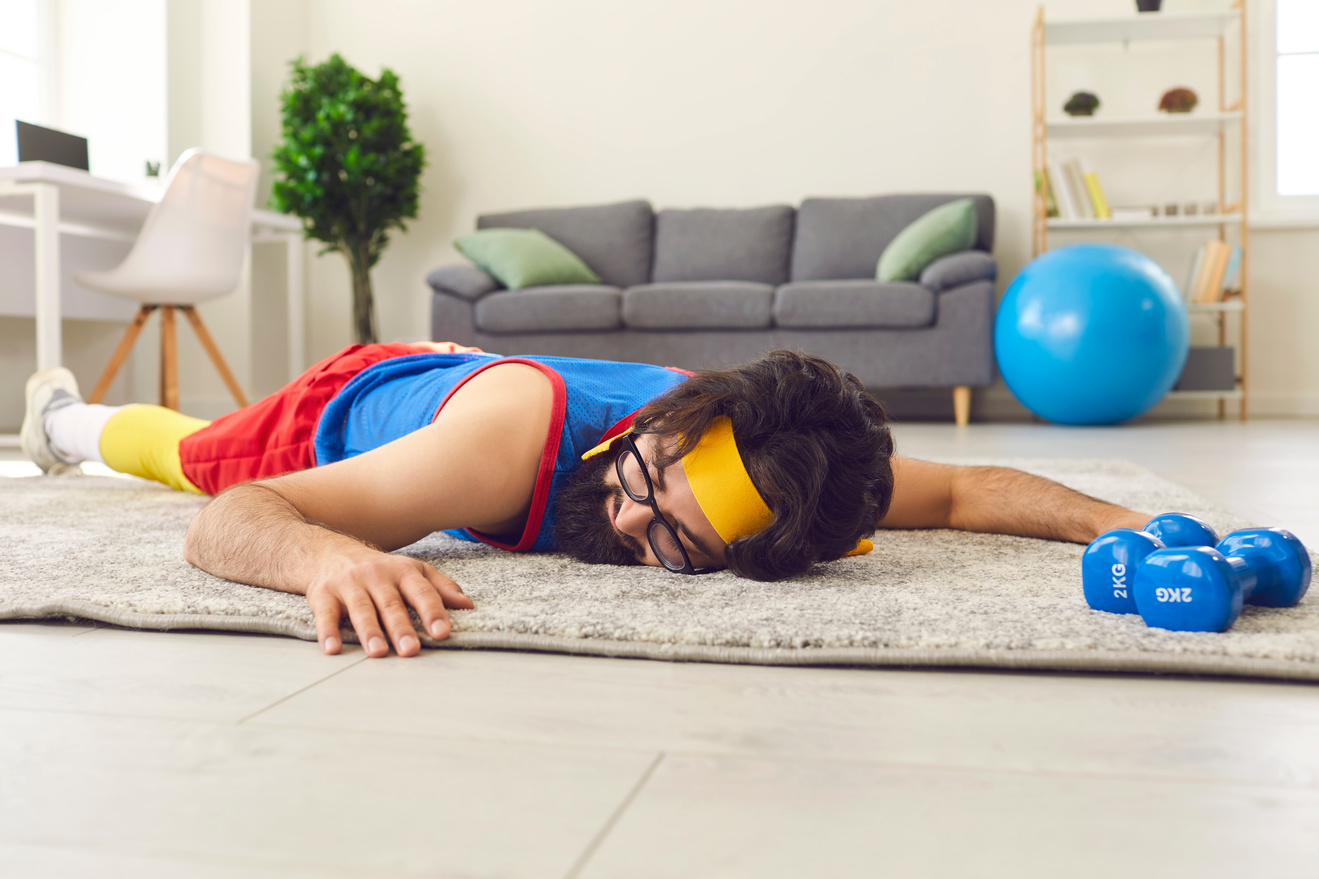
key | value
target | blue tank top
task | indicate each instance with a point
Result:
(395, 397)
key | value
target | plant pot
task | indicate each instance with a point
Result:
(1148, 5)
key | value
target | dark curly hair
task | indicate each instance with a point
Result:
(814, 442)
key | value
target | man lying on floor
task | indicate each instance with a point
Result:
(765, 469)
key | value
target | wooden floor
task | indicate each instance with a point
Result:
(143, 754)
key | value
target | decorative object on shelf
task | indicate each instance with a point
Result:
(1209, 369)
(1178, 100)
(153, 170)
(1091, 334)
(348, 166)
(1081, 104)
(1126, 213)
(1149, 5)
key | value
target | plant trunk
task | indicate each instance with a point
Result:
(364, 310)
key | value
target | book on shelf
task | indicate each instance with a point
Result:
(1232, 277)
(1067, 208)
(1045, 188)
(1085, 208)
(1197, 259)
(1094, 190)
(1209, 278)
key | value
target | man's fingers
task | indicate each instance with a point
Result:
(327, 610)
(394, 615)
(422, 594)
(366, 623)
(450, 591)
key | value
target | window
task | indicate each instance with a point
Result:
(1288, 132)
(27, 85)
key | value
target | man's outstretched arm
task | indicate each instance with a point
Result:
(253, 534)
(326, 532)
(998, 500)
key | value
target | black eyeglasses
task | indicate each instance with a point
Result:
(663, 539)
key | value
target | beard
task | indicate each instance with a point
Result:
(581, 524)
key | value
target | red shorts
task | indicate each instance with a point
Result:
(275, 435)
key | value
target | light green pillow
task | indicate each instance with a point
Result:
(949, 228)
(521, 258)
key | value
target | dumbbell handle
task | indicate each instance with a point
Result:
(1202, 589)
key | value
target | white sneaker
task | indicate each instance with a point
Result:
(47, 391)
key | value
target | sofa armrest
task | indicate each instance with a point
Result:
(463, 281)
(958, 269)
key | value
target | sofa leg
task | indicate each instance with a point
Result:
(962, 405)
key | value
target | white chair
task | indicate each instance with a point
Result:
(190, 249)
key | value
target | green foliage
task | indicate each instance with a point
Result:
(347, 165)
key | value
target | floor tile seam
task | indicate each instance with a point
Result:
(118, 715)
(155, 852)
(612, 821)
(454, 739)
(796, 757)
(302, 690)
(673, 751)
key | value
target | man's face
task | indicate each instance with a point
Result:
(598, 523)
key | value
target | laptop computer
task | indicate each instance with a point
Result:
(37, 144)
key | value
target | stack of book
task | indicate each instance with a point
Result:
(1215, 272)
(1071, 191)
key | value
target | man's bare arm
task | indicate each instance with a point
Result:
(998, 500)
(253, 534)
(323, 532)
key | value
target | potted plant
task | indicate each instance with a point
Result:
(348, 167)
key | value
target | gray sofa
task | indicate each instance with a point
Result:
(710, 288)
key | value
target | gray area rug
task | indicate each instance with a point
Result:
(109, 549)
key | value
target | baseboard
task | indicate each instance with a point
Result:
(997, 404)
(1284, 404)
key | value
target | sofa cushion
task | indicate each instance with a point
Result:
(549, 309)
(698, 305)
(948, 229)
(853, 304)
(706, 244)
(613, 239)
(960, 268)
(522, 258)
(845, 237)
(463, 281)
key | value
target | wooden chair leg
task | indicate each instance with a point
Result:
(209, 344)
(169, 359)
(962, 405)
(121, 353)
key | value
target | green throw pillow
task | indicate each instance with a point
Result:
(521, 258)
(949, 228)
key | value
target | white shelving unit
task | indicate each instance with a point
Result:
(1223, 123)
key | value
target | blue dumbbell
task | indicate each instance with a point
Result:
(1201, 589)
(1111, 559)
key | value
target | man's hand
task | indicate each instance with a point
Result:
(375, 590)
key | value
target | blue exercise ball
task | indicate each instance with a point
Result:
(1091, 334)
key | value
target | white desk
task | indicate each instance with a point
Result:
(54, 200)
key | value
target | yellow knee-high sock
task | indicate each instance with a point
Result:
(143, 440)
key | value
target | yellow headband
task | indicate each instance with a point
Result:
(720, 482)
(721, 485)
